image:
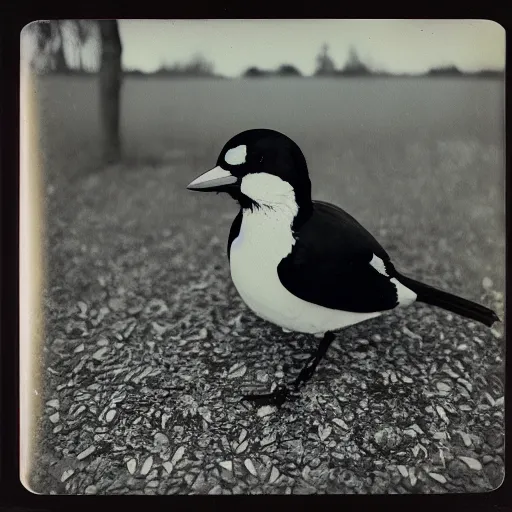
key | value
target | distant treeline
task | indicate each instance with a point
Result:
(325, 67)
(355, 67)
(454, 71)
(255, 72)
(199, 67)
(449, 71)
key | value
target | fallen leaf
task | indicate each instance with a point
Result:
(131, 465)
(68, 473)
(403, 471)
(324, 432)
(438, 477)
(226, 464)
(265, 410)
(471, 462)
(242, 447)
(86, 453)
(178, 455)
(274, 475)
(442, 414)
(148, 463)
(168, 467)
(250, 467)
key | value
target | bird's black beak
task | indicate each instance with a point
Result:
(214, 180)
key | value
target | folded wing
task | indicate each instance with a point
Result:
(338, 264)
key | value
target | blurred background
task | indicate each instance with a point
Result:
(402, 125)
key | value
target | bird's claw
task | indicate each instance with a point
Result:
(304, 376)
(278, 397)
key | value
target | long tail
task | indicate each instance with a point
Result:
(458, 305)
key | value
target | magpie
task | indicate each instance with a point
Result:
(305, 265)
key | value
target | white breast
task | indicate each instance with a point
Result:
(266, 238)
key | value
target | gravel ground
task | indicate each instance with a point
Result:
(149, 348)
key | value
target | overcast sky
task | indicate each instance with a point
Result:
(393, 45)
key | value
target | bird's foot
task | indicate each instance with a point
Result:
(278, 397)
(305, 374)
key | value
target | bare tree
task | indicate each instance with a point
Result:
(60, 59)
(354, 65)
(324, 63)
(83, 31)
(50, 55)
(49, 39)
(110, 89)
(199, 66)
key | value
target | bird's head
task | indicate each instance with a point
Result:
(259, 168)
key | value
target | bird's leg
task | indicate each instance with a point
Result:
(282, 393)
(310, 367)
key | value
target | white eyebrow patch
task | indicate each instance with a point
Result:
(378, 265)
(236, 156)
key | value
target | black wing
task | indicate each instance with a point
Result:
(330, 264)
(235, 230)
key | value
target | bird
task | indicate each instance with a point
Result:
(305, 265)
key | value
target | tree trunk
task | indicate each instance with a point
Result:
(110, 89)
(61, 65)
